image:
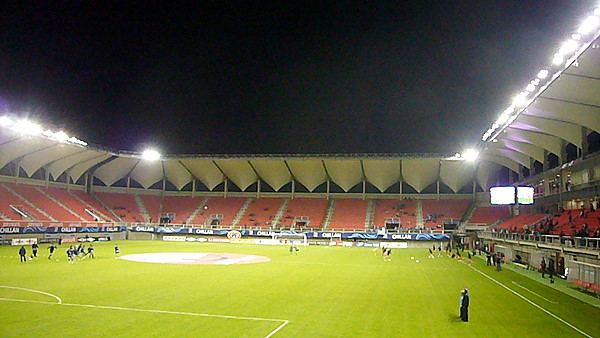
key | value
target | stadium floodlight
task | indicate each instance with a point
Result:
(61, 136)
(542, 74)
(6, 121)
(597, 11)
(568, 47)
(558, 59)
(589, 25)
(470, 155)
(576, 36)
(503, 118)
(150, 155)
(520, 100)
(27, 127)
(530, 87)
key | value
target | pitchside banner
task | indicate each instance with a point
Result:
(309, 234)
(58, 229)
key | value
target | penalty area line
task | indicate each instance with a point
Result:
(530, 302)
(281, 326)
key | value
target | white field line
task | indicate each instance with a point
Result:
(542, 297)
(530, 302)
(35, 291)
(282, 321)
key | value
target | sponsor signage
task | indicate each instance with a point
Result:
(23, 241)
(174, 238)
(327, 235)
(57, 229)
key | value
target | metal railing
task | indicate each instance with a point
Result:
(592, 243)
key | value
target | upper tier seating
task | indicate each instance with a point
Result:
(7, 199)
(313, 208)
(261, 212)
(489, 215)
(404, 210)
(124, 205)
(349, 214)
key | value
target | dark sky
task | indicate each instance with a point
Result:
(398, 76)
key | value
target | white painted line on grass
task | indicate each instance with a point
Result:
(282, 321)
(34, 291)
(530, 302)
(277, 329)
(542, 297)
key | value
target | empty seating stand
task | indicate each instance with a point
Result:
(489, 215)
(226, 208)
(261, 213)
(124, 205)
(349, 214)
(311, 209)
(436, 212)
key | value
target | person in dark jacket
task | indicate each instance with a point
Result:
(464, 305)
(23, 254)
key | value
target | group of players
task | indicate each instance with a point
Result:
(74, 253)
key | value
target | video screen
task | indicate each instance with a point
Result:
(525, 195)
(502, 195)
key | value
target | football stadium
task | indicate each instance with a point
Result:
(499, 240)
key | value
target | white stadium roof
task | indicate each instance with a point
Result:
(560, 106)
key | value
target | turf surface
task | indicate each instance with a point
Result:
(321, 292)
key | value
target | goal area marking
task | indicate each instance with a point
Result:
(283, 322)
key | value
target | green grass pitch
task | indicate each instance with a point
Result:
(321, 292)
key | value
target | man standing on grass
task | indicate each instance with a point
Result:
(464, 305)
(23, 254)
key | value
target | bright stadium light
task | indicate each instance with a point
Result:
(542, 74)
(150, 155)
(470, 155)
(576, 36)
(530, 87)
(503, 118)
(6, 121)
(589, 25)
(568, 47)
(597, 11)
(520, 100)
(558, 59)
(61, 136)
(27, 127)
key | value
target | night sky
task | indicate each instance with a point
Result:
(399, 76)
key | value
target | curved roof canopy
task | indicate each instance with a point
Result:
(560, 106)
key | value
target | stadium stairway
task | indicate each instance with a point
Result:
(279, 214)
(30, 204)
(467, 217)
(91, 208)
(419, 214)
(369, 218)
(142, 208)
(195, 213)
(242, 212)
(45, 193)
(329, 214)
